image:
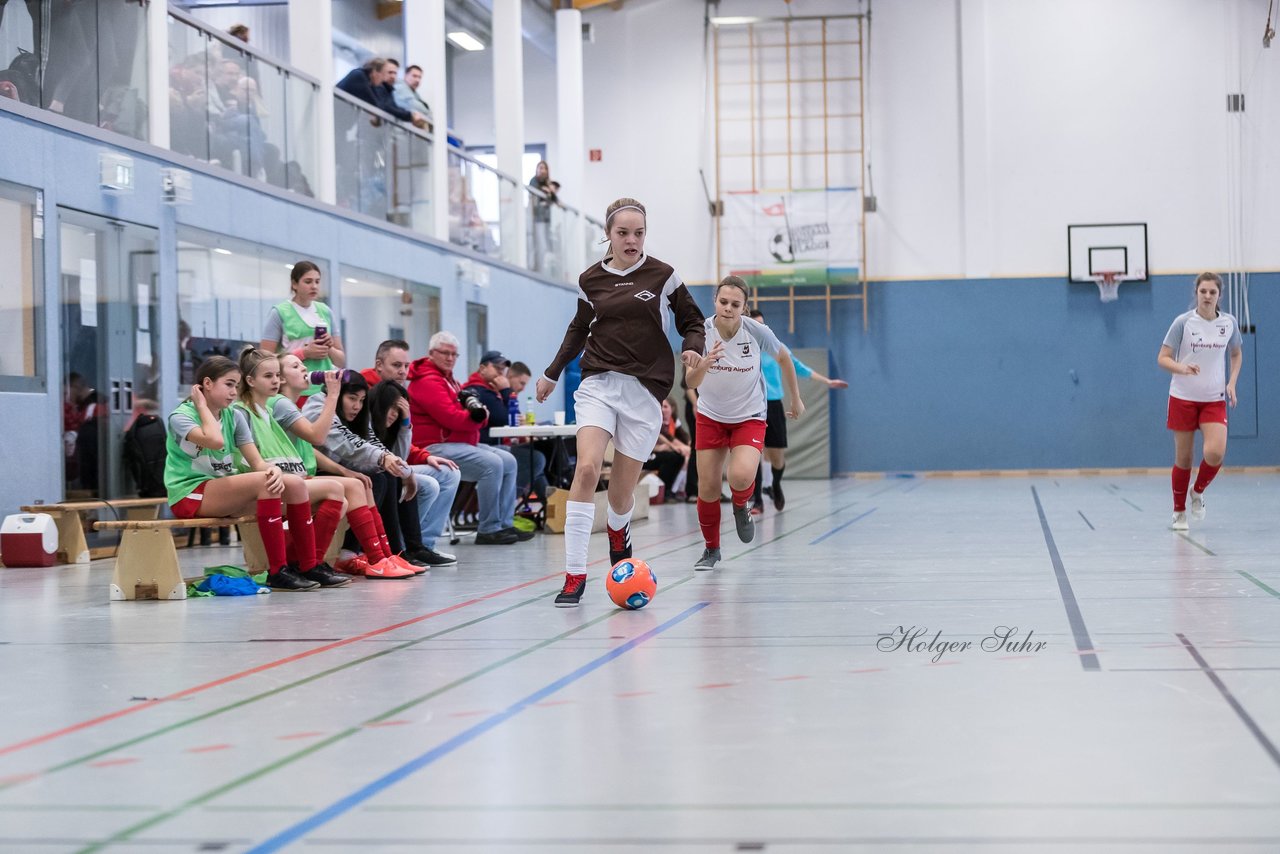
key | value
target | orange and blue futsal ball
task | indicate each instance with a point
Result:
(631, 584)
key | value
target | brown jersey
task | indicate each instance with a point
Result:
(622, 321)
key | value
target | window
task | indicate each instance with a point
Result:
(226, 290)
(21, 288)
(376, 307)
(477, 334)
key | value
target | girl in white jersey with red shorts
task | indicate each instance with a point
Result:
(1194, 351)
(731, 411)
(622, 319)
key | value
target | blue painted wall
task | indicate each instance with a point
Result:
(1021, 373)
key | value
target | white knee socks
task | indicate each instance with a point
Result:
(579, 516)
(618, 521)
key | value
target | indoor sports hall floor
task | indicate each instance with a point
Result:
(749, 709)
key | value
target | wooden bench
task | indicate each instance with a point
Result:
(147, 561)
(72, 547)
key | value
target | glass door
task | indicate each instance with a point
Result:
(109, 327)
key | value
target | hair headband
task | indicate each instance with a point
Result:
(610, 217)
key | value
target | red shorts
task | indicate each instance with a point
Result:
(189, 507)
(713, 434)
(1190, 414)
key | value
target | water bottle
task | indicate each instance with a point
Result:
(513, 411)
(529, 417)
(317, 377)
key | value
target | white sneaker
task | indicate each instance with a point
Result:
(1179, 522)
(1197, 505)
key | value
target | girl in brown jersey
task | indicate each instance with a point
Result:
(624, 307)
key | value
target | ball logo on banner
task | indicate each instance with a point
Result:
(798, 238)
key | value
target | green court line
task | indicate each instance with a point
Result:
(89, 757)
(1197, 545)
(134, 829)
(1270, 590)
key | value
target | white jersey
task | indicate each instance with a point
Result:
(1196, 341)
(733, 390)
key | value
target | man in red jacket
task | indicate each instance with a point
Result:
(449, 426)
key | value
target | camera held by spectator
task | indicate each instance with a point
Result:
(476, 410)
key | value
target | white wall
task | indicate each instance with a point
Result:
(993, 124)
(473, 100)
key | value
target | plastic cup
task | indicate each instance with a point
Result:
(559, 418)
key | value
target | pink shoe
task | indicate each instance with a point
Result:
(355, 565)
(387, 568)
(403, 563)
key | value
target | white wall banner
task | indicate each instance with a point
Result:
(808, 237)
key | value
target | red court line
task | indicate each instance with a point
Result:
(210, 749)
(271, 665)
(111, 763)
(712, 685)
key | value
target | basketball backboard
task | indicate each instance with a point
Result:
(1119, 248)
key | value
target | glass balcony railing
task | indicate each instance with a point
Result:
(236, 108)
(86, 60)
(383, 167)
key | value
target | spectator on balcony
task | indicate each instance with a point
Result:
(240, 31)
(388, 95)
(540, 246)
(370, 83)
(406, 93)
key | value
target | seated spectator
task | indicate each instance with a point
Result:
(531, 457)
(350, 443)
(361, 505)
(491, 385)
(671, 452)
(438, 478)
(447, 422)
(369, 84)
(390, 362)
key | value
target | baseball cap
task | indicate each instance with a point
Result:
(493, 357)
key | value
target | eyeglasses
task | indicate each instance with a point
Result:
(448, 354)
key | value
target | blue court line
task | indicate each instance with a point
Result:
(1084, 646)
(839, 528)
(292, 834)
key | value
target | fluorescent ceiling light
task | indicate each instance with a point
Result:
(352, 281)
(466, 41)
(739, 19)
(288, 267)
(223, 251)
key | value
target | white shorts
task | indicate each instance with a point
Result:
(619, 404)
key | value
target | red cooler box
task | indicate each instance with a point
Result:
(29, 539)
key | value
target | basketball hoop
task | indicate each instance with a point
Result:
(1108, 285)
